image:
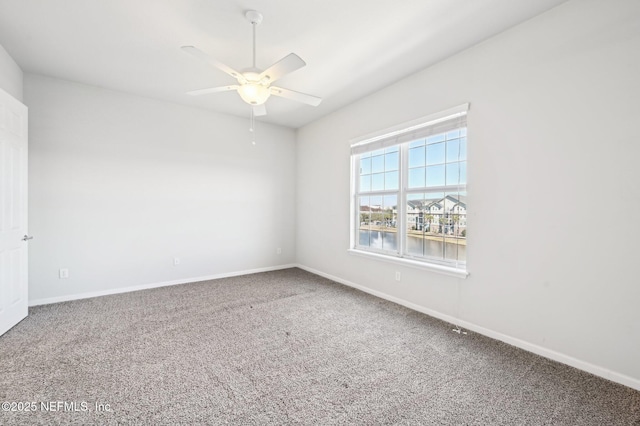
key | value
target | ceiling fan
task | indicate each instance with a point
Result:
(254, 85)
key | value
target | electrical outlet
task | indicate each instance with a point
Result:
(398, 276)
(278, 250)
(176, 261)
(63, 273)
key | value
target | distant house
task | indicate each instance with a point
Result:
(447, 215)
(371, 215)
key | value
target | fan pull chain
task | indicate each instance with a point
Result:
(252, 127)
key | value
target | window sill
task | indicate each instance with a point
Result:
(446, 270)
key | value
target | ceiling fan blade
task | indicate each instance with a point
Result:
(296, 96)
(259, 110)
(212, 90)
(284, 66)
(208, 59)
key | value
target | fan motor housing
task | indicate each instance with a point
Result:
(254, 17)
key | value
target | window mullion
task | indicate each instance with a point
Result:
(382, 192)
(432, 189)
(402, 198)
(355, 234)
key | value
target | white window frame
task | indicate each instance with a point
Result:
(402, 134)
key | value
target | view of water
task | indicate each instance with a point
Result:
(415, 245)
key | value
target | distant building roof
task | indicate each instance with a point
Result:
(427, 204)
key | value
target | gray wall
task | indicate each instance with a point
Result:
(119, 185)
(552, 195)
(10, 75)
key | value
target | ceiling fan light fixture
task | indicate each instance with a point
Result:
(254, 84)
(254, 93)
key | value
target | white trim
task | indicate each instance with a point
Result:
(353, 203)
(514, 341)
(69, 297)
(442, 269)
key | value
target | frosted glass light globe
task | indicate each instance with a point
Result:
(254, 93)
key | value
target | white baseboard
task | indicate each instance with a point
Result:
(66, 298)
(522, 344)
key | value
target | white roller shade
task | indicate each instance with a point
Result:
(453, 118)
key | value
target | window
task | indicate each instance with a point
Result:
(409, 192)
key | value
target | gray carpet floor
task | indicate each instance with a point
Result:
(284, 347)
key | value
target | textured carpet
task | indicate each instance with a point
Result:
(281, 347)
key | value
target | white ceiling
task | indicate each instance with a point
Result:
(352, 47)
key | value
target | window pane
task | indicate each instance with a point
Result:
(453, 150)
(435, 153)
(453, 176)
(433, 210)
(416, 177)
(388, 223)
(392, 149)
(365, 183)
(377, 164)
(391, 161)
(415, 243)
(435, 138)
(416, 157)
(413, 224)
(377, 182)
(381, 234)
(391, 208)
(365, 212)
(462, 239)
(454, 134)
(372, 209)
(414, 197)
(364, 219)
(463, 173)
(390, 200)
(455, 227)
(435, 175)
(424, 213)
(363, 238)
(463, 149)
(375, 240)
(419, 142)
(390, 241)
(378, 211)
(391, 180)
(365, 166)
